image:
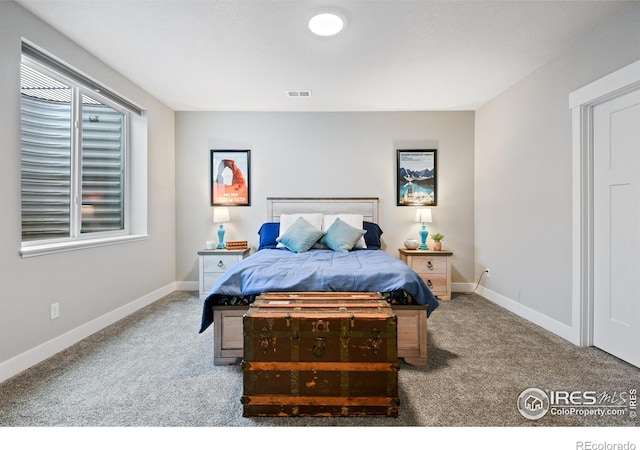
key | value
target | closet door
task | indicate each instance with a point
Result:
(616, 221)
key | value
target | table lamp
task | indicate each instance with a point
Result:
(221, 215)
(423, 215)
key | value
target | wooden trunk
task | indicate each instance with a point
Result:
(320, 354)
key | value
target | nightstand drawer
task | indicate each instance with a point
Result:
(436, 282)
(219, 263)
(425, 264)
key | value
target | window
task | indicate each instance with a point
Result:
(74, 155)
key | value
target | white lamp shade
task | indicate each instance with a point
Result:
(221, 215)
(423, 215)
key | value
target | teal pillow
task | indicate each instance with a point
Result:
(300, 236)
(341, 237)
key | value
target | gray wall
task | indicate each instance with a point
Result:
(325, 154)
(523, 179)
(90, 283)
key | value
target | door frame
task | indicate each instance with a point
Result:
(581, 102)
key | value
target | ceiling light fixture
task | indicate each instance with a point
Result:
(327, 22)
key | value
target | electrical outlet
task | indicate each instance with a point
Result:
(55, 310)
(488, 272)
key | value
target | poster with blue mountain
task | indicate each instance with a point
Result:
(417, 178)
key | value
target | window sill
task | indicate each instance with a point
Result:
(48, 249)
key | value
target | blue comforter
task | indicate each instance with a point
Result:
(318, 270)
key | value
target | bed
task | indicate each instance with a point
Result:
(363, 268)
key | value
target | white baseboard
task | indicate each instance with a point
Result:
(554, 326)
(462, 287)
(187, 286)
(43, 351)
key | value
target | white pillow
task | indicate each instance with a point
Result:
(355, 220)
(286, 220)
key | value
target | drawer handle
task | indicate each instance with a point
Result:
(429, 284)
(429, 265)
(220, 264)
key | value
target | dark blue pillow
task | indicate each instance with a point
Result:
(372, 236)
(268, 233)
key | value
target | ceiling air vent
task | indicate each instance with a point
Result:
(299, 93)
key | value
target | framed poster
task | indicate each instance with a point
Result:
(230, 177)
(417, 178)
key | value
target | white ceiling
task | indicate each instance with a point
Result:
(395, 55)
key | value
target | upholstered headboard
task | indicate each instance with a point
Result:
(367, 206)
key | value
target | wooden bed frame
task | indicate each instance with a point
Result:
(412, 320)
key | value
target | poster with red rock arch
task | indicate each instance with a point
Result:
(230, 178)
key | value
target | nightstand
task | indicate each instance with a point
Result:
(213, 263)
(434, 267)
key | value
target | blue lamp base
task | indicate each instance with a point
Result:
(221, 238)
(423, 238)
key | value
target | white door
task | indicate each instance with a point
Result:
(616, 222)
